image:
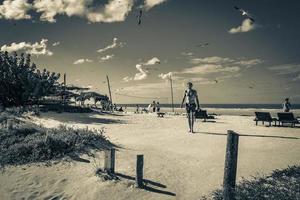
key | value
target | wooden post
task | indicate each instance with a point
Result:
(230, 165)
(109, 162)
(139, 171)
(9, 124)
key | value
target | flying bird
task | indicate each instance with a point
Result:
(251, 87)
(245, 13)
(140, 17)
(203, 45)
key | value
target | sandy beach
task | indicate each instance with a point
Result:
(177, 165)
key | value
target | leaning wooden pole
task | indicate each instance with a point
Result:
(172, 96)
(109, 90)
(230, 168)
(64, 88)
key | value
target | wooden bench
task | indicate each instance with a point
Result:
(264, 117)
(160, 114)
(287, 117)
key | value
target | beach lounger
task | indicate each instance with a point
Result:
(202, 114)
(264, 117)
(287, 118)
(160, 114)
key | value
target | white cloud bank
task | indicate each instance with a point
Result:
(37, 48)
(247, 25)
(82, 60)
(214, 67)
(15, 9)
(289, 70)
(111, 11)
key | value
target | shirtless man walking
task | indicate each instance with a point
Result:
(191, 98)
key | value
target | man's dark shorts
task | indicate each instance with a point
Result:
(190, 107)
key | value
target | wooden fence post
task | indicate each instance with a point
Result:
(139, 171)
(109, 162)
(230, 165)
(9, 124)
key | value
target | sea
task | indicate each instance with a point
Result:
(224, 109)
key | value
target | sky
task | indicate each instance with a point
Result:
(227, 57)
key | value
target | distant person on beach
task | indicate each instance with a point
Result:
(137, 108)
(153, 106)
(286, 105)
(157, 107)
(192, 104)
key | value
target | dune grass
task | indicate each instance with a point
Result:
(29, 143)
(280, 185)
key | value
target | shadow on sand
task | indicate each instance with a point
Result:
(247, 135)
(85, 119)
(149, 185)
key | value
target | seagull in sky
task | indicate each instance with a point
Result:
(140, 17)
(245, 13)
(203, 45)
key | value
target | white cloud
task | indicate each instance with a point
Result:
(115, 44)
(249, 63)
(51, 8)
(127, 79)
(209, 68)
(82, 60)
(107, 57)
(187, 53)
(152, 61)
(151, 3)
(286, 69)
(37, 48)
(213, 59)
(15, 9)
(247, 25)
(142, 72)
(56, 44)
(113, 11)
(165, 76)
(242, 62)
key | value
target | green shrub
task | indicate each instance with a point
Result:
(29, 143)
(280, 185)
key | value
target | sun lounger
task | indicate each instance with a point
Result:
(160, 114)
(287, 118)
(202, 114)
(264, 117)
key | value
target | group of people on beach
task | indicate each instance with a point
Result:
(153, 107)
